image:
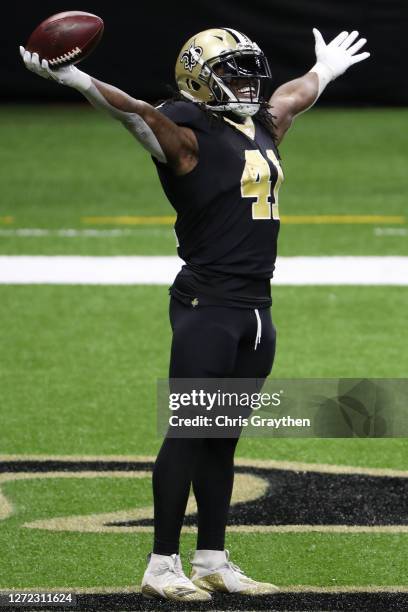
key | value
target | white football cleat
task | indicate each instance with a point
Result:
(213, 571)
(164, 579)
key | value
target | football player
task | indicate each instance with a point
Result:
(215, 150)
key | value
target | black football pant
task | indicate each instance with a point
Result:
(208, 342)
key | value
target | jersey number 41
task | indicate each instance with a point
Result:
(256, 183)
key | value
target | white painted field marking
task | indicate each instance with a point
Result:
(391, 231)
(342, 270)
(38, 232)
(140, 229)
(161, 270)
(84, 270)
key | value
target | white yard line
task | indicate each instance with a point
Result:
(161, 270)
(391, 231)
(140, 228)
(39, 232)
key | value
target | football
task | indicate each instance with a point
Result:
(66, 38)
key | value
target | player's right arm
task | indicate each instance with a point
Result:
(332, 59)
(171, 144)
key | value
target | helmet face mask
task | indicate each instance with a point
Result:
(225, 70)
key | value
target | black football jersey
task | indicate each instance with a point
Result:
(227, 210)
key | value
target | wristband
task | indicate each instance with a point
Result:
(81, 82)
(324, 74)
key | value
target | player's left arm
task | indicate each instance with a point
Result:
(332, 60)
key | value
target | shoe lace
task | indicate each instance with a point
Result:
(235, 568)
(183, 580)
(179, 573)
(173, 568)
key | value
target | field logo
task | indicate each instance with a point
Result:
(269, 496)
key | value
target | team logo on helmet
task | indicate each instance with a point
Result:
(191, 56)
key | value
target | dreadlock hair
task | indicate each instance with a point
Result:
(264, 115)
(267, 119)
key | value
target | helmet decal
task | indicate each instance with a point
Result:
(191, 56)
(238, 36)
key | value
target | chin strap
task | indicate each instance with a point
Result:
(246, 110)
(239, 108)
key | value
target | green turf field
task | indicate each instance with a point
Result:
(78, 365)
(73, 163)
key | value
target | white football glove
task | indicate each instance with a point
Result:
(336, 57)
(66, 75)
